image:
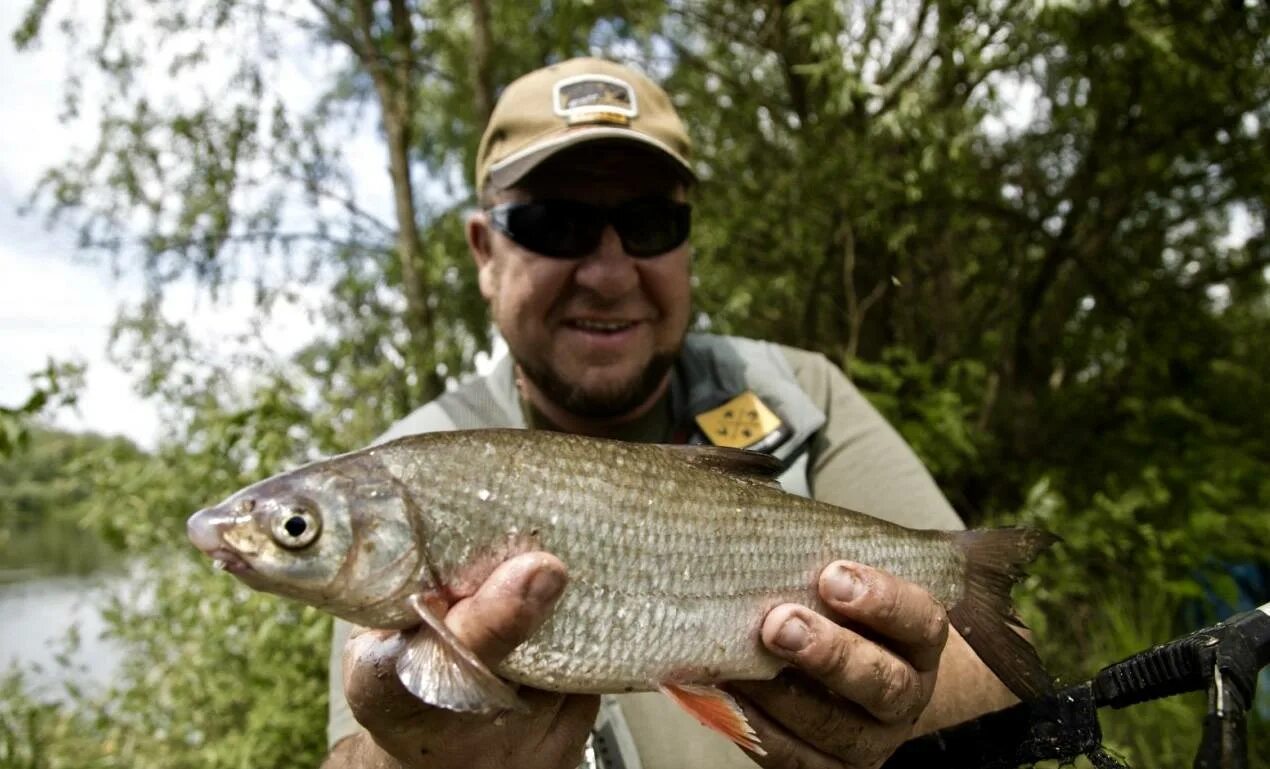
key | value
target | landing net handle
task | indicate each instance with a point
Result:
(1223, 660)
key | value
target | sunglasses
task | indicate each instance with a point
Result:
(568, 229)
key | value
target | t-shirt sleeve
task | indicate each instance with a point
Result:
(340, 722)
(858, 460)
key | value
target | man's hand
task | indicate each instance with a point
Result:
(404, 732)
(854, 695)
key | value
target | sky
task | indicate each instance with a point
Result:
(58, 303)
(51, 305)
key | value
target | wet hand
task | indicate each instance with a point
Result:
(507, 608)
(853, 695)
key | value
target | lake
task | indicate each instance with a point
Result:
(37, 616)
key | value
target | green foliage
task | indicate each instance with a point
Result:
(41, 735)
(45, 493)
(1123, 579)
(57, 386)
(215, 675)
(255, 666)
(929, 407)
(1033, 233)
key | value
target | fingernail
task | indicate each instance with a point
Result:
(545, 586)
(793, 635)
(844, 583)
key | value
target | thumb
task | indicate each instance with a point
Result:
(509, 606)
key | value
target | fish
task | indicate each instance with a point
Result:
(675, 553)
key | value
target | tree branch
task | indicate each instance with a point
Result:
(177, 245)
(857, 308)
(482, 48)
(396, 95)
(903, 57)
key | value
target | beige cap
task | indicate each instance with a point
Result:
(575, 101)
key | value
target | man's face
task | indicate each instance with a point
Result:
(596, 335)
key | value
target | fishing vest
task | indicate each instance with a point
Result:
(711, 372)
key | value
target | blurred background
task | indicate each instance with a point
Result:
(1034, 233)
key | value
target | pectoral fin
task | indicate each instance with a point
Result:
(441, 671)
(715, 709)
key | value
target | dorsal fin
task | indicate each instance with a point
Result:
(749, 464)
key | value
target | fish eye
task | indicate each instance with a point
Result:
(295, 527)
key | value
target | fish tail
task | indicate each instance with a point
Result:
(984, 616)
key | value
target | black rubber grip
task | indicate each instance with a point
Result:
(1165, 670)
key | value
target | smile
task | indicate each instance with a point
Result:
(602, 326)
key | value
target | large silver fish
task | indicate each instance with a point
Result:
(674, 553)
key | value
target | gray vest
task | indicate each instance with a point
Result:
(710, 371)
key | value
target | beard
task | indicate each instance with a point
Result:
(609, 403)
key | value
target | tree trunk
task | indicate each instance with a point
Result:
(391, 63)
(482, 78)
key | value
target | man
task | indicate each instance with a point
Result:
(582, 252)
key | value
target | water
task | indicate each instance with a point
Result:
(36, 618)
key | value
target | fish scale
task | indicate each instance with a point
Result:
(684, 579)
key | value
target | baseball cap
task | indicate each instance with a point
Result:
(576, 101)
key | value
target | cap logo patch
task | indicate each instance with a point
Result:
(594, 99)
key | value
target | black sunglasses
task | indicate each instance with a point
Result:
(568, 229)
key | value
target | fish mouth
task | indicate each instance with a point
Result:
(225, 559)
(204, 530)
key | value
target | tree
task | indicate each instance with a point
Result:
(247, 180)
(56, 387)
(44, 492)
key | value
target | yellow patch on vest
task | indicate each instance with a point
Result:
(740, 423)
